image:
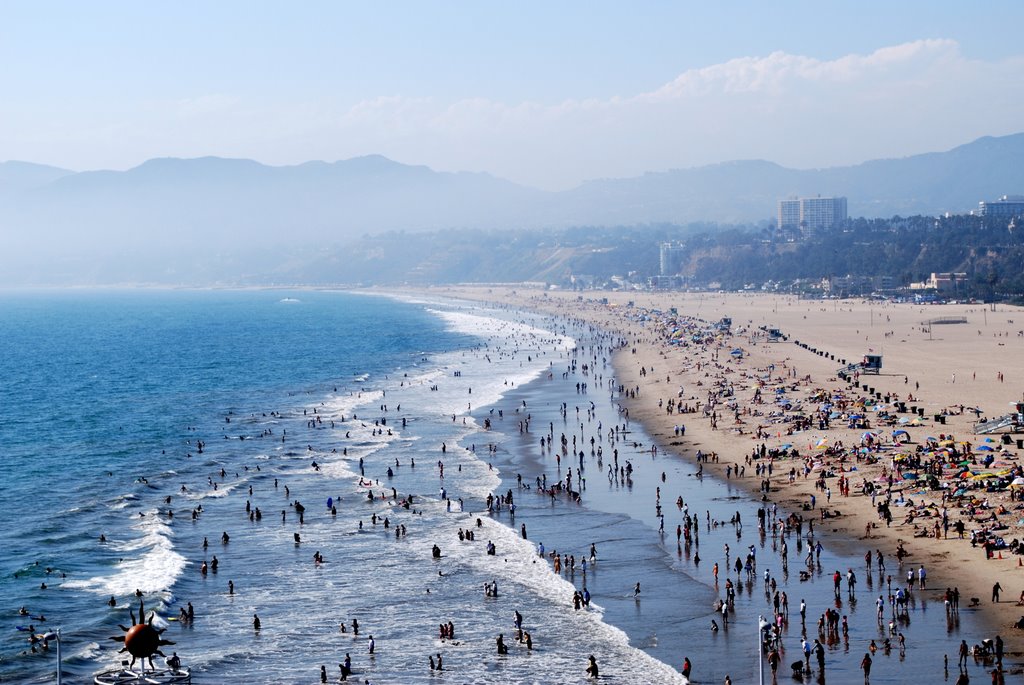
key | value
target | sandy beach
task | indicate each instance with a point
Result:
(943, 367)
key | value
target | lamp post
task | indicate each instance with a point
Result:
(56, 636)
(761, 625)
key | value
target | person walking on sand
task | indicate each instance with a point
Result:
(996, 589)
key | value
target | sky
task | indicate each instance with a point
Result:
(546, 94)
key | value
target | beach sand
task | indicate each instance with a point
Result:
(975, 364)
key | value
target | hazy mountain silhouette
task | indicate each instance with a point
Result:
(197, 209)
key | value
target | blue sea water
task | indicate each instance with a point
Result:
(106, 396)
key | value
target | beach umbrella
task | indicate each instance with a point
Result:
(910, 475)
(989, 440)
(900, 432)
(787, 446)
(1017, 482)
(985, 448)
(931, 439)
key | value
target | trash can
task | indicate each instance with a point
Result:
(1020, 444)
(920, 412)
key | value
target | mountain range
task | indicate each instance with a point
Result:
(54, 219)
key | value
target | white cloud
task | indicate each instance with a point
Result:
(793, 109)
(796, 110)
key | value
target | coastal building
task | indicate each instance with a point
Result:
(789, 213)
(849, 285)
(942, 282)
(1006, 207)
(670, 258)
(811, 214)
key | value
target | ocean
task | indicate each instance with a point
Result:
(163, 419)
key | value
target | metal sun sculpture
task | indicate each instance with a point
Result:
(142, 640)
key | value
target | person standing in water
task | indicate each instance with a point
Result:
(592, 669)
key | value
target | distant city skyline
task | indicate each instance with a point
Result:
(544, 95)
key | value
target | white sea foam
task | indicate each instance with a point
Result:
(154, 569)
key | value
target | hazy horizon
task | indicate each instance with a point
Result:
(543, 96)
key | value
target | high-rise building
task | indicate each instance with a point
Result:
(670, 258)
(1005, 207)
(789, 213)
(811, 214)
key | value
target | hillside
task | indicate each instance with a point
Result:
(172, 218)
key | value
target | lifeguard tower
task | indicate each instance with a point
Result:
(872, 363)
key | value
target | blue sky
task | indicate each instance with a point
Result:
(546, 94)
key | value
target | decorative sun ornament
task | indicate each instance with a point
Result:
(142, 640)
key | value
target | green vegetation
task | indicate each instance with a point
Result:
(903, 249)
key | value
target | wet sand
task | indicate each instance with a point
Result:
(942, 367)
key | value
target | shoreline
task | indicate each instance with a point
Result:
(942, 557)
